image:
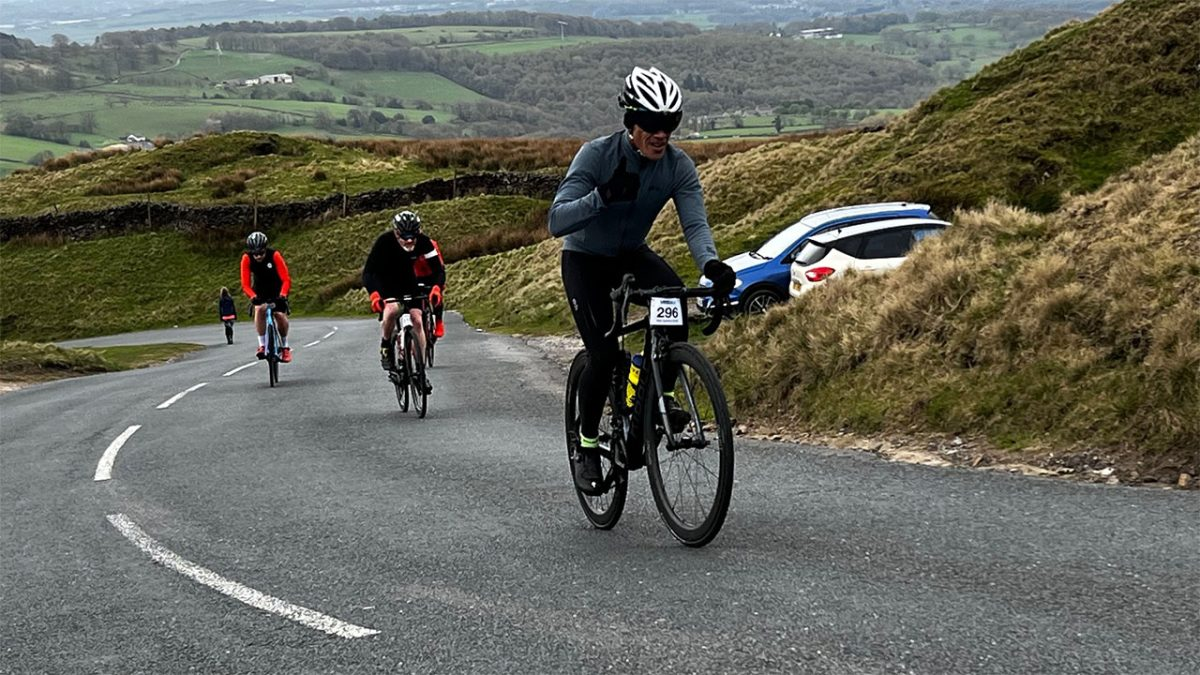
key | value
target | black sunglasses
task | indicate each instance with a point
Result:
(652, 122)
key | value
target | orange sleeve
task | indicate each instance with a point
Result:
(284, 277)
(246, 287)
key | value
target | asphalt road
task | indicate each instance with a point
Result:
(315, 528)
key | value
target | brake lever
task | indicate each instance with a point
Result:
(718, 313)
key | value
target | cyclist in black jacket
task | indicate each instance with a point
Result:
(389, 274)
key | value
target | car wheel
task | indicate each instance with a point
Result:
(758, 300)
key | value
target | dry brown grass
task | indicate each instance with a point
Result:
(155, 179)
(1078, 327)
(521, 154)
(497, 239)
(83, 157)
(227, 185)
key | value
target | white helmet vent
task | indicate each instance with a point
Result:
(650, 89)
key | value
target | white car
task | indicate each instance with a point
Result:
(867, 247)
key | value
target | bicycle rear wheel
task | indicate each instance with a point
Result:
(415, 361)
(429, 339)
(602, 510)
(693, 481)
(398, 369)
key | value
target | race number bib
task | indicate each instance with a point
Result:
(666, 312)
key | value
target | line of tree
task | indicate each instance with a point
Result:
(545, 23)
(57, 130)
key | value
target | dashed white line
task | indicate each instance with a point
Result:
(329, 334)
(314, 342)
(167, 403)
(233, 589)
(240, 368)
(104, 468)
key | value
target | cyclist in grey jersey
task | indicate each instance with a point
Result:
(589, 225)
(603, 209)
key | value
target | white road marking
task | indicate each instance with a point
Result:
(240, 368)
(104, 468)
(314, 342)
(329, 334)
(233, 589)
(167, 403)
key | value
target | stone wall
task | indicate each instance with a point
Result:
(155, 215)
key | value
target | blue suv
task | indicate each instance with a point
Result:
(763, 275)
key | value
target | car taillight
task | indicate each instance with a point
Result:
(818, 273)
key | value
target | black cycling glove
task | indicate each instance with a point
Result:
(621, 187)
(721, 275)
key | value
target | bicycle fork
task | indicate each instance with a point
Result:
(658, 354)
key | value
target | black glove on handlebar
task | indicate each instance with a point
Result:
(721, 275)
(623, 186)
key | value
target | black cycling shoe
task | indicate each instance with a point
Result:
(589, 479)
(677, 416)
(427, 388)
(385, 358)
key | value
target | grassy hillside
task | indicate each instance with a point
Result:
(272, 168)
(149, 280)
(1080, 326)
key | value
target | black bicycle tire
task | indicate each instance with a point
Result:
(688, 355)
(430, 340)
(605, 519)
(272, 364)
(414, 360)
(394, 376)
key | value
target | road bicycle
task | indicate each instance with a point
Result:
(689, 464)
(407, 373)
(273, 351)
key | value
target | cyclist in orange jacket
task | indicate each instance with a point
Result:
(265, 279)
(431, 271)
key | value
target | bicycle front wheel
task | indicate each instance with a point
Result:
(272, 356)
(692, 478)
(416, 373)
(604, 510)
(398, 368)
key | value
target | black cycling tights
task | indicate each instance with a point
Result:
(588, 280)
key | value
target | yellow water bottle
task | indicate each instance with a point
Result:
(635, 371)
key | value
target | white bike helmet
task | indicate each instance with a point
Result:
(652, 91)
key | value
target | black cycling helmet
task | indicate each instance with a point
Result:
(407, 223)
(256, 242)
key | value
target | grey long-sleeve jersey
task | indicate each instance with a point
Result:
(588, 226)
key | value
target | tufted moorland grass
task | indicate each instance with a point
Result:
(1079, 326)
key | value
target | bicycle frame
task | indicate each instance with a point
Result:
(654, 351)
(272, 331)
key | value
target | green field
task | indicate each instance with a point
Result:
(408, 86)
(15, 152)
(536, 44)
(970, 45)
(179, 101)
